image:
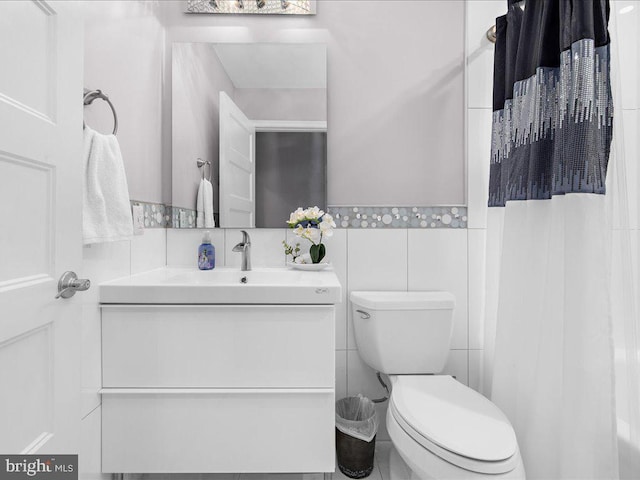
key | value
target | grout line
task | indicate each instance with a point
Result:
(468, 298)
(407, 259)
(346, 293)
(346, 336)
(166, 247)
(224, 248)
(130, 256)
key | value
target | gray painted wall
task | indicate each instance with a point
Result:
(395, 91)
(124, 49)
(395, 94)
(197, 80)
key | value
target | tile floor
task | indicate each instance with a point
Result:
(381, 471)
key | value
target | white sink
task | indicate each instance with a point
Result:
(224, 286)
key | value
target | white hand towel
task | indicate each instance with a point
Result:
(200, 205)
(106, 209)
(209, 221)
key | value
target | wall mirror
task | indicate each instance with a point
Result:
(258, 113)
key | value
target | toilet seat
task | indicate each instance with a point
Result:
(454, 422)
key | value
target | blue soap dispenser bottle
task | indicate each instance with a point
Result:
(206, 253)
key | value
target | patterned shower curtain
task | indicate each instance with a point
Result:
(553, 111)
(553, 372)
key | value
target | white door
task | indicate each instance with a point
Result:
(237, 166)
(40, 234)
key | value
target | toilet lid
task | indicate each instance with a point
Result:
(454, 417)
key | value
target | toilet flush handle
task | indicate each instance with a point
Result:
(363, 314)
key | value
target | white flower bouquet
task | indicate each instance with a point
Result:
(312, 224)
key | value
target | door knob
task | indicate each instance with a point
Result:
(69, 284)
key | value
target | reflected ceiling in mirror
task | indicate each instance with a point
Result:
(235, 104)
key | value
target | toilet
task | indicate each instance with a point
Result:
(439, 427)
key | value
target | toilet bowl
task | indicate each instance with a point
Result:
(441, 428)
(445, 430)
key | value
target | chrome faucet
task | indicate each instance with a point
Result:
(245, 248)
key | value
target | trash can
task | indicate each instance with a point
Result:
(356, 427)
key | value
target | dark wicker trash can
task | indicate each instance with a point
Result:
(355, 456)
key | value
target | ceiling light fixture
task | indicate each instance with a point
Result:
(263, 7)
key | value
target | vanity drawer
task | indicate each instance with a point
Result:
(218, 346)
(203, 430)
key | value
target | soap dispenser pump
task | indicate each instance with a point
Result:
(206, 253)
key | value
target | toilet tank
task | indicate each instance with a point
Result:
(403, 332)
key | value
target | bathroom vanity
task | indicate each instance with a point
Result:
(219, 371)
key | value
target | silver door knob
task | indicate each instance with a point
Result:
(69, 284)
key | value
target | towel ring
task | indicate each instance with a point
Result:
(491, 34)
(203, 164)
(90, 96)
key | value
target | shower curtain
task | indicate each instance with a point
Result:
(553, 367)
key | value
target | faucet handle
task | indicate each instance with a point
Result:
(246, 239)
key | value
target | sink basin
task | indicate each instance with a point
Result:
(224, 286)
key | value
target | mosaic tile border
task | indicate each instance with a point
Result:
(454, 216)
(181, 217)
(157, 215)
(185, 217)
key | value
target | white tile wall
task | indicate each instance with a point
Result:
(458, 365)
(623, 27)
(376, 260)
(438, 261)
(182, 246)
(481, 14)
(630, 125)
(148, 251)
(266, 247)
(493, 257)
(341, 374)
(625, 253)
(479, 153)
(477, 248)
(476, 364)
(337, 254)
(362, 379)
(106, 261)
